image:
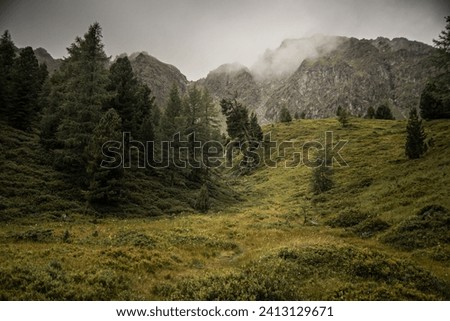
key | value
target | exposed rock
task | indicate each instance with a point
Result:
(158, 76)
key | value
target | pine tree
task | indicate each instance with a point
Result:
(236, 118)
(415, 145)
(83, 84)
(296, 115)
(435, 98)
(383, 112)
(285, 115)
(170, 118)
(255, 131)
(321, 179)
(303, 115)
(7, 55)
(370, 113)
(144, 114)
(343, 116)
(105, 185)
(210, 116)
(124, 87)
(26, 86)
(202, 203)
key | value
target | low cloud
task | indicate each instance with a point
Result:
(284, 60)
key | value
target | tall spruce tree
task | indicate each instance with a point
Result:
(7, 55)
(343, 116)
(285, 115)
(84, 81)
(435, 98)
(370, 113)
(415, 145)
(26, 87)
(124, 87)
(236, 118)
(202, 203)
(105, 179)
(170, 119)
(321, 178)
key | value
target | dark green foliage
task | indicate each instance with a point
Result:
(202, 203)
(124, 86)
(383, 112)
(7, 55)
(442, 44)
(296, 115)
(370, 113)
(285, 115)
(343, 116)
(415, 140)
(435, 99)
(237, 119)
(105, 185)
(171, 114)
(255, 131)
(429, 227)
(26, 86)
(303, 115)
(84, 81)
(321, 178)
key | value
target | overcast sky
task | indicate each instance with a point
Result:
(199, 35)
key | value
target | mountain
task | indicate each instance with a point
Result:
(229, 80)
(158, 76)
(315, 75)
(44, 57)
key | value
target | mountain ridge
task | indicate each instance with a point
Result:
(311, 75)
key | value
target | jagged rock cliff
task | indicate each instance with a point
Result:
(158, 76)
(331, 71)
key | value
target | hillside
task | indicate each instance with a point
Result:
(380, 234)
(31, 189)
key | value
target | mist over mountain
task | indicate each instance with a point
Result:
(316, 75)
(284, 60)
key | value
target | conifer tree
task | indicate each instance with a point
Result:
(255, 131)
(105, 179)
(384, 112)
(435, 98)
(83, 84)
(26, 86)
(285, 115)
(236, 118)
(7, 55)
(124, 87)
(202, 203)
(343, 116)
(415, 145)
(370, 113)
(170, 118)
(321, 179)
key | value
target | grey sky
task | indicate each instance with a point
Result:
(199, 35)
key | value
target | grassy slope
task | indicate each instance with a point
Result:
(259, 248)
